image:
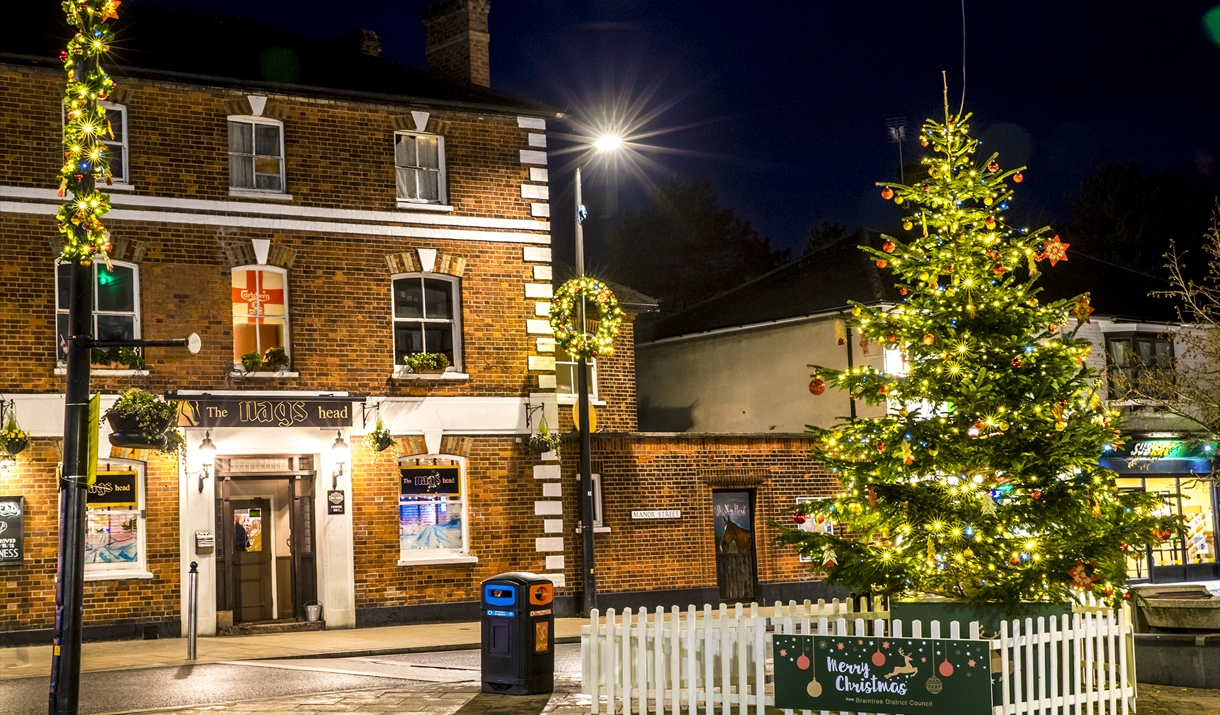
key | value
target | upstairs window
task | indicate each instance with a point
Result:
(1140, 365)
(427, 310)
(260, 310)
(116, 303)
(419, 167)
(256, 154)
(567, 373)
(116, 115)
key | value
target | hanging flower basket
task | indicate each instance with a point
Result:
(380, 439)
(141, 420)
(544, 441)
(13, 440)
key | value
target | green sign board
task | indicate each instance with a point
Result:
(912, 676)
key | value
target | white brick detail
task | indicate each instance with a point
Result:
(546, 382)
(548, 508)
(538, 140)
(552, 526)
(531, 123)
(548, 543)
(552, 489)
(546, 471)
(560, 580)
(540, 363)
(541, 175)
(546, 345)
(539, 290)
(538, 327)
(543, 210)
(542, 309)
(542, 273)
(554, 562)
(534, 191)
(536, 254)
(533, 156)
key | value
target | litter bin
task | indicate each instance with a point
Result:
(518, 634)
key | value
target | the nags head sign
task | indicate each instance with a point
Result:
(271, 411)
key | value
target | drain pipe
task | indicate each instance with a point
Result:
(192, 627)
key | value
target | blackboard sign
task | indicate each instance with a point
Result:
(244, 411)
(12, 531)
(913, 676)
(431, 481)
(114, 489)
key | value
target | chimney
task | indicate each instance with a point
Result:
(457, 41)
(366, 42)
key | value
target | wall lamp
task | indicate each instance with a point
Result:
(340, 454)
(207, 458)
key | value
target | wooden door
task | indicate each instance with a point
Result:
(251, 559)
(736, 565)
(304, 565)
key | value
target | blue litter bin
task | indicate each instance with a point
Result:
(518, 638)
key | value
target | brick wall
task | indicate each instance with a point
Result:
(615, 386)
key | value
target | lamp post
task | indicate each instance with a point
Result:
(607, 142)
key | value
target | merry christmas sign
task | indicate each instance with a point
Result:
(912, 676)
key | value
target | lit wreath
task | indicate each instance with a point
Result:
(602, 307)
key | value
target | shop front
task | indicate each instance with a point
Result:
(1179, 469)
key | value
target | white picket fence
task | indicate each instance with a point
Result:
(644, 663)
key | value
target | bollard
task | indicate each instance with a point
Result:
(192, 628)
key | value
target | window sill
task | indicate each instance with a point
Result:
(439, 560)
(117, 187)
(568, 398)
(430, 376)
(268, 195)
(259, 374)
(413, 206)
(104, 372)
(117, 575)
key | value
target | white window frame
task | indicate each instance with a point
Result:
(441, 556)
(442, 186)
(125, 143)
(283, 157)
(455, 321)
(569, 398)
(138, 570)
(99, 266)
(287, 306)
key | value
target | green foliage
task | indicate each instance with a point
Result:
(545, 441)
(275, 358)
(683, 247)
(982, 483)
(251, 361)
(422, 362)
(380, 439)
(124, 357)
(153, 415)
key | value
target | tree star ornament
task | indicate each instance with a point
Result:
(601, 307)
(1055, 251)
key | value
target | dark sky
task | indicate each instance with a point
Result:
(783, 105)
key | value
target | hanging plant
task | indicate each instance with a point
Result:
(380, 439)
(142, 420)
(13, 440)
(601, 307)
(545, 441)
(427, 363)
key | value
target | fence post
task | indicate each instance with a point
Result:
(709, 685)
(692, 705)
(760, 661)
(627, 662)
(641, 654)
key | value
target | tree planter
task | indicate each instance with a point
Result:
(126, 432)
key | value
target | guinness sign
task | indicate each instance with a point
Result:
(255, 411)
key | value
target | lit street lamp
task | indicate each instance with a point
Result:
(604, 143)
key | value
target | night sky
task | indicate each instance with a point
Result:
(783, 106)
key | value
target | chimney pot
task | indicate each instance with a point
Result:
(457, 40)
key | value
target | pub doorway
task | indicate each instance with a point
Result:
(265, 564)
(736, 560)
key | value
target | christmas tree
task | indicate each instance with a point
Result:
(982, 483)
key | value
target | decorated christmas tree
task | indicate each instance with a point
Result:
(981, 484)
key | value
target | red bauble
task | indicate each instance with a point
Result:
(1127, 596)
(798, 518)
(993, 166)
(63, 55)
(881, 446)
(892, 338)
(882, 263)
(1016, 362)
(887, 193)
(817, 386)
(928, 338)
(990, 222)
(902, 291)
(1109, 591)
(1036, 494)
(1017, 177)
(888, 246)
(884, 389)
(1014, 560)
(1053, 327)
(923, 141)
(998, 269)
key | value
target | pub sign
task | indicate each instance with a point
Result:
(12, 530)
(113, 489)
(255, 411)
(437, 480)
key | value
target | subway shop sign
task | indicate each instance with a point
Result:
(1161, 456)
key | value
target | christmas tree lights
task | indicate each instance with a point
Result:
(86, 158)
(982, 483)
(576, 340)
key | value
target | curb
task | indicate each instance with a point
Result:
(394, 651)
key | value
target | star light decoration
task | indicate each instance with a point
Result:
(600, 305)
(86, 158)
(1054, 251)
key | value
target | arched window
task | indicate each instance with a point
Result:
(427, 311)
(260, 310)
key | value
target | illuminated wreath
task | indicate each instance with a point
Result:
(602, 307)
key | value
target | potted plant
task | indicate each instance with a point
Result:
(545, 441)
(275, 359)
(141, 420)
(427, 363)
(380, 439)
(251, 361)
(13, 440)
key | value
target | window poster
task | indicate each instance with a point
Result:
(734, 522)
